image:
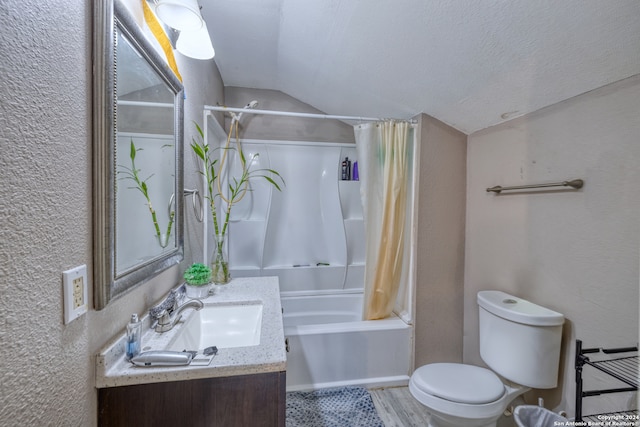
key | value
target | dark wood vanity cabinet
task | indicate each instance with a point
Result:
(248, 400)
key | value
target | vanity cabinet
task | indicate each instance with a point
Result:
(241, 386)
(246, 400)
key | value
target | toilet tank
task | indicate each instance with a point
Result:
(520, 340)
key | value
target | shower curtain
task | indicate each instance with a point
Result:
(383, 152)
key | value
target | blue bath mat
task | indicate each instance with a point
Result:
(332, 407)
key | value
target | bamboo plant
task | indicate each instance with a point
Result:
(225, 197)
(133, 174)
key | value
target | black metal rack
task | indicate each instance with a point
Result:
(623, 369)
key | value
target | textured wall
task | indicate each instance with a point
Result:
(574, 252)
(45, 211)
(440, 253)
(47, 368)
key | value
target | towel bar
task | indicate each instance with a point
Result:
(575, 184)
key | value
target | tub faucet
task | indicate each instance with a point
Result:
(164, 320)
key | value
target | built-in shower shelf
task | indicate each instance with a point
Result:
(304, 266)
(309, 278)
(350, 199)
(355, 219)
(245, 267)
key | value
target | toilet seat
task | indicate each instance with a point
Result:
(462, 413)
(459, 383)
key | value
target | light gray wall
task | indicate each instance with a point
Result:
(48, 368)
(440, 251)
(575, 252)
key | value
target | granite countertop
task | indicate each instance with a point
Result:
(113, 370)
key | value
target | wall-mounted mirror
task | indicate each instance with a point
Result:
(138, 148)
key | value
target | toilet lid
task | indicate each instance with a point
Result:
(459, 383)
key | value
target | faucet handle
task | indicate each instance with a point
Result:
(168, 306)
(171, 303)
(156, 312)
(162, 313)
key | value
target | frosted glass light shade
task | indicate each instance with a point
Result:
(183, 15)
(196, 44)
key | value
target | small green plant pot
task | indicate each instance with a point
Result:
(198, 281)
(197, 292)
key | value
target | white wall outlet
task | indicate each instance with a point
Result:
(75, 285)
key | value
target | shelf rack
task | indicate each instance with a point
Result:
(623, 369)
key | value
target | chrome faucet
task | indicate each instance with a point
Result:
(163, 317)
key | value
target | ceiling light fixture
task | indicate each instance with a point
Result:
(183, 15)
(196, 44)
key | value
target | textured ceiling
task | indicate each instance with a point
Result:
(469, 63)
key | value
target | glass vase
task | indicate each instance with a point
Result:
(220, 262)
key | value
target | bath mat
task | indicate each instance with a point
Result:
(332, 407)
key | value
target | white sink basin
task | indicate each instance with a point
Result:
(224, 326)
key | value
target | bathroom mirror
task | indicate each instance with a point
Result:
(137, 157)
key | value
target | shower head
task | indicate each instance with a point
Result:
(252, 104)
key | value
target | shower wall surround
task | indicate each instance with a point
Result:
(310, 234)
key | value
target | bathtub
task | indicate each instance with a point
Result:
(329, 345)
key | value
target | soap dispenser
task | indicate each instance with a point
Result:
(134, 332)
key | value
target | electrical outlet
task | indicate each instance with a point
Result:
(78, 292)
(75, 286)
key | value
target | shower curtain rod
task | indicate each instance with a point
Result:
(296, 114)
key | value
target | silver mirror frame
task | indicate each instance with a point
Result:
(109, 16)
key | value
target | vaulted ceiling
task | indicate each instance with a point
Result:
(468, 63)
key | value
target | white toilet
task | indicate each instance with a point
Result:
(519, 340)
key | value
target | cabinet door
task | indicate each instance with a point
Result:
(247, 400)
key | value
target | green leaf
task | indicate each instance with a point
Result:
(274, 172)
(272, 182)
(199, 129)
(198, 150)
(132, 151)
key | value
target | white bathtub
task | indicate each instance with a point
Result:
(329, 346)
